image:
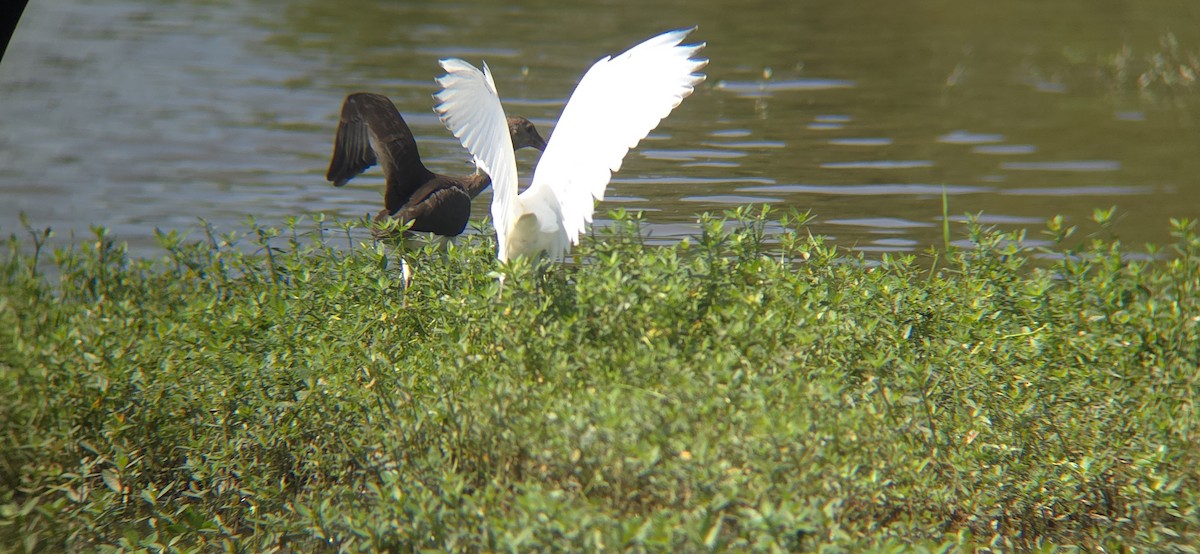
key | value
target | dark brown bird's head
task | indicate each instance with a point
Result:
(524, 134)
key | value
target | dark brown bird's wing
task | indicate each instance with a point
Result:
(440, 207)
(370, 131)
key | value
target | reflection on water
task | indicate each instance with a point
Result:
(871, 141)
(1080, 191)
(871, 190)
(1073, 165)
(882, 223)
(749, 144)
(767, 88)
(129, 115)
(690, 155)
(730, 199)
(964, 137)
(878, 164)
(1005, 149)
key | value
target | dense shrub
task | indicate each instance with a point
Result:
(743, 390)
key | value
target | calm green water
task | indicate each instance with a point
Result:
(135, 114)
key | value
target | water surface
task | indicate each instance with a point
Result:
(137, 114)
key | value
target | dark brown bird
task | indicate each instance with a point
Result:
(372, 131)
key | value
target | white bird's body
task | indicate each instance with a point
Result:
(616, 104)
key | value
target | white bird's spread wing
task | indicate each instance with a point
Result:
(469, 107)
(616, 104)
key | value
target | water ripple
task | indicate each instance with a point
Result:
(420, 84)
(730, 199)
(1066, 165)
(690, 155)
(625, 199)
(714, 164)
(766, 88)
(881, 222)
(996, 219)
(870, 190)
(748, 144)
(871, 248)
(467, 52)
(676, 180)
(1100, 190)
(964, 137)
(1005, 149)
(879, 164)
(730, 133)
(1049, 86)
(866, 141)
(896, 241)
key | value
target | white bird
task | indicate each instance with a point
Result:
(616, 104)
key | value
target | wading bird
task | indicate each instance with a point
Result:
(616, 104)
(372, 131)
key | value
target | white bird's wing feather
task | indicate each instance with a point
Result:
(469, 107)
(616, 104)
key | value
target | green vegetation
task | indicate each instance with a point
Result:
(734, 391)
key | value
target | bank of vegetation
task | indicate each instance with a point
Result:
(302, 390)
